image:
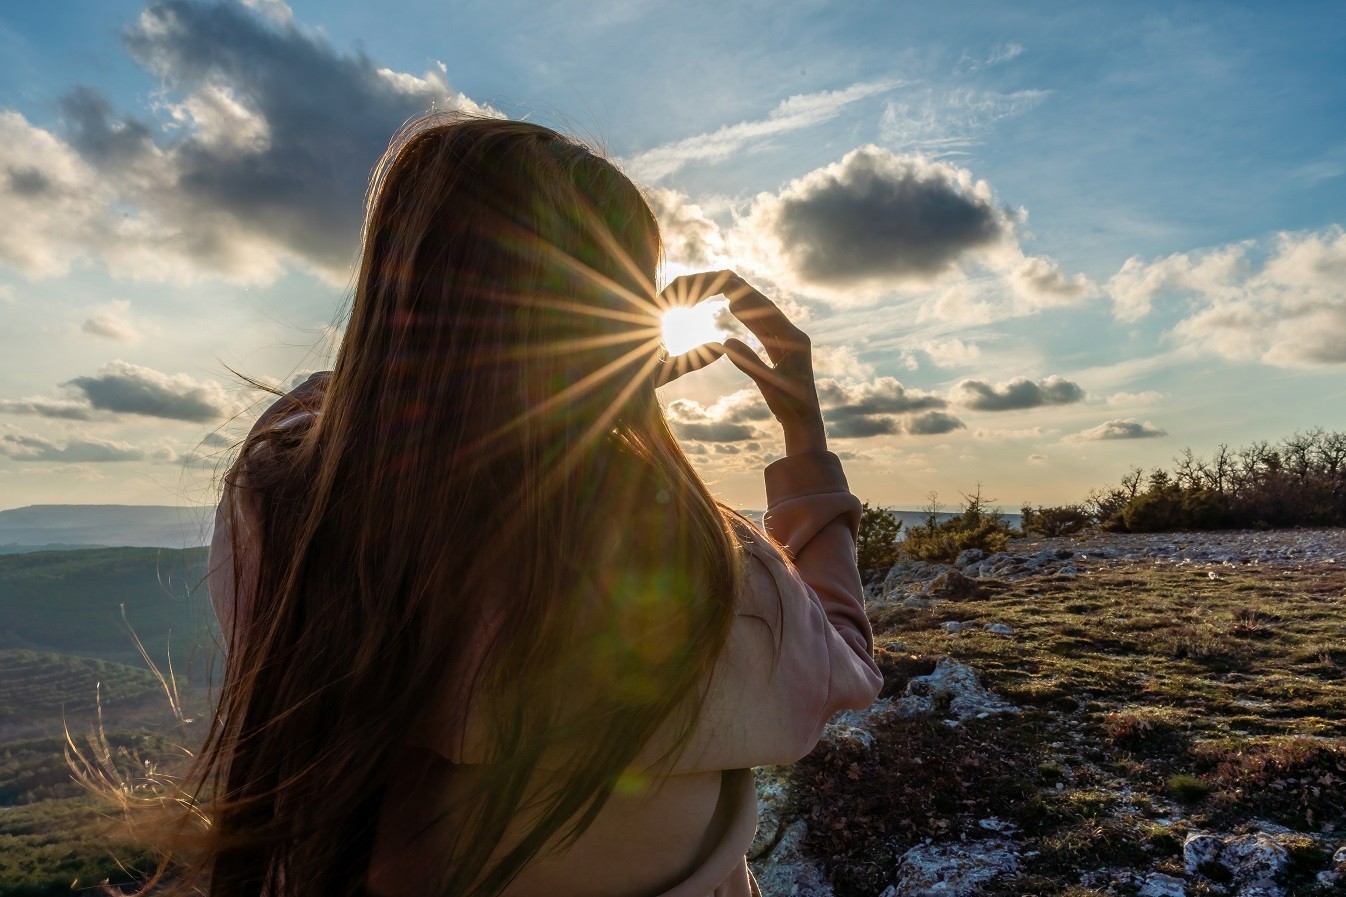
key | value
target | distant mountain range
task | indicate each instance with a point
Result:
(56, 527)
(85, 526)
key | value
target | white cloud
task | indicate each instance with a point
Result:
(1040, 281)
(940, 121)
(951, 353)
(690, 237)
(792, 114)
(1136, 285)
(1289, 312)
(112, 323)
(1148, 397)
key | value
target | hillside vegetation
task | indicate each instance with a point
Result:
(35, 685)
(70, 602)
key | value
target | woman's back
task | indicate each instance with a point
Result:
(490, 633)
(798, 652)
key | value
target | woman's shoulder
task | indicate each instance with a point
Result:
(299, 402)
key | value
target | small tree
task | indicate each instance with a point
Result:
(975, 526)
(1058, 521)
(876, 544)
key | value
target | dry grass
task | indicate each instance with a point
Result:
(1156, 700)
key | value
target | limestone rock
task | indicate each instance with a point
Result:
(1253, 861)
(952, 584)
(968, 556)
(787, 872)
(1157, 884)
(773, 791)
(955, 685)
(1336, 873)
(952, 870)
(953, 627)
(999, 628)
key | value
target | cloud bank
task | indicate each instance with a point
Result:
(120, 387)
(1289, 310)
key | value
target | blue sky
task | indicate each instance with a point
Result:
(1034, 245)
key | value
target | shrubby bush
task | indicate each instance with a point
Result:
(975, 526)
(1057, 521)
(1300, 481)
(876, 543)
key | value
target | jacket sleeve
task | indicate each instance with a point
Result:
(800, 648)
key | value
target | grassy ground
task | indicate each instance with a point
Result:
(1155, 700)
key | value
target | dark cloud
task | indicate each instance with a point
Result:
(877, 216)
(63, 409)
(321, 119)
(27, 181)
(852, 410)
(1017, 394)
(873, 408)
(1122, 428)
(125, 388)
(863, 427)
(87, 449)
(715, 431)
(884, 395)
(105, 139)
(933, 423)
(256, 154)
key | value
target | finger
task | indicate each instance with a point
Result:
(691, 360)
(765, 320)
(748, 361)
(689, 289)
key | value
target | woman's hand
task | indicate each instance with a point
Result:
(787, 383)
(684, 292)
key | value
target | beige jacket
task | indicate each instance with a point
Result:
(798, 652)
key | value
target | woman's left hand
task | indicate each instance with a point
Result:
(684, 292)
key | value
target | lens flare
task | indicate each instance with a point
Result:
(686, 328)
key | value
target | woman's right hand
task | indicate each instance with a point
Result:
(787, 383)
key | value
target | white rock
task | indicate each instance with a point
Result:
(956, 684)
(1157, 884)
(969, 556)
(1199, 849)
(786, 871)
(953, 627)
(1254, 861)
(850, 736)
(999, 628)
(1337, 873)
(952, 870)
(773, 792)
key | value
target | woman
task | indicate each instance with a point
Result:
(487, 631)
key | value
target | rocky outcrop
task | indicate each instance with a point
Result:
(952, 870)
(1252, 863)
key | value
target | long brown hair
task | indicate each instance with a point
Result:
(488, 456)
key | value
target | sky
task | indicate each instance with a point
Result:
(1033, 244)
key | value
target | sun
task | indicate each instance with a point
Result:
(686, 328)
